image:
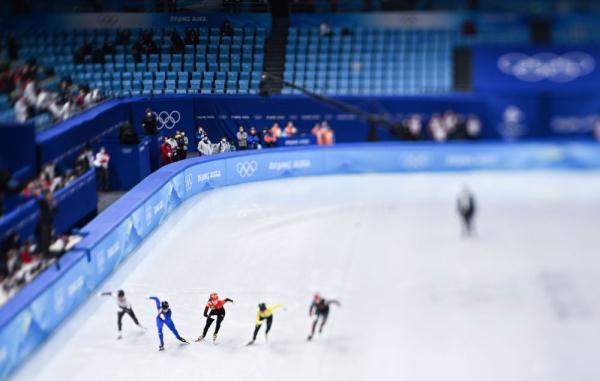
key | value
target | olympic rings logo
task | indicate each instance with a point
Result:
(246, 168)
(166, 119)
(558, 68)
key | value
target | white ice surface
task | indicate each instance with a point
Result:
(520, 301)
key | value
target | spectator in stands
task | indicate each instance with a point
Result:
(333, 4)
(149, 124)
(177, 44)
(172, 5)
(7, 84)
(473, 127)
(45, 224)
(324, 29)
(436, 128)
(173, 142)
(328, 136)
(166, 151)
(226, 29)
(26, 73)
(223, 146)
(267, 139)
(23, 110)
(323, 133)
(450, 123)
(411, 128)
(254, 139)
(108, 47)
(63, 108)
(84, 161)
(82, 52)
(200, 134)
(205, 147)
(44, 100)
(290, 130)
(123, 36)
(181, 145)
(10, 255)
(127, 134)
(12, 46)
(275, 131)
(242, 139)
(191, 36)
(64, 87)
(136, 51)
(27, 254)
(97, 55)
(101, 163)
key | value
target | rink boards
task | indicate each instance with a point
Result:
(30, 317)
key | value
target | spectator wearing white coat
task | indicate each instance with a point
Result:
(205, 147)
(22, 110)
(223, 146)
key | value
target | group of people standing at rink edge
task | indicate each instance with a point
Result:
(175, 147)
(215, 310)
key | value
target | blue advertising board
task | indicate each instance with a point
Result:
(118, 20)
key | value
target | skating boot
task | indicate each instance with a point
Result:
(161, 348)
(182, 340)
(200, 338)
(215, 338)
(250, 342)
(119, 336)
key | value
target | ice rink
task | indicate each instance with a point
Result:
(519, 301)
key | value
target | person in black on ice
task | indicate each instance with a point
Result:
(466, 208)
(320, 309)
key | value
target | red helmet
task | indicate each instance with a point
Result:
(214, 296)
(317, 297)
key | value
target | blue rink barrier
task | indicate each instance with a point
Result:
(30, 317)
(74, 202)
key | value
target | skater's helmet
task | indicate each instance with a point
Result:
(214, 296)
(317, 297)
(164, 305)
(121, 294)
(262, 306)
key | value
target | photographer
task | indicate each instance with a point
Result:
(149, 122)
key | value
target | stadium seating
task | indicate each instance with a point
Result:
(379, 61)
(120, 75)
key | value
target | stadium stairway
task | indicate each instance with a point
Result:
(275, 54)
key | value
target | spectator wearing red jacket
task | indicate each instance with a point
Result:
(166, 151)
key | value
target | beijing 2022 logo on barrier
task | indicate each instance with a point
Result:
(557, 68)
(167, 119)
(246, 168)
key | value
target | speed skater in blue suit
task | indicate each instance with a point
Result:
(164, 318)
